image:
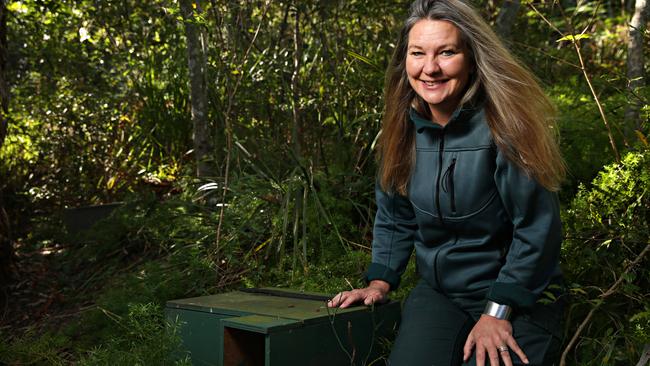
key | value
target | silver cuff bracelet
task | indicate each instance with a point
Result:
(497, 310)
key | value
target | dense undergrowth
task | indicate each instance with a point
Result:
(150, 251)
(607, 263)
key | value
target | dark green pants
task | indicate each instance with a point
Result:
(434, 329)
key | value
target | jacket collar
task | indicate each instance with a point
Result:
(461, 114)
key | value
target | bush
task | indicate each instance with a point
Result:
(144, 339)
(33, 349)
(607, 227)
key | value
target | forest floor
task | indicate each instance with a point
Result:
(37, 300)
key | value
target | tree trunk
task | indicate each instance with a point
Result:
(635, 70)
(196, 56)
(506, 18)
(6, 243)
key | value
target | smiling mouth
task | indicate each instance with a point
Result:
(432, 82)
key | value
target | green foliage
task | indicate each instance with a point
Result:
(131, 263)
(143, 338)
(148, 252)
(100, 112)
(607, 227)
(33, 349)
(583, 138)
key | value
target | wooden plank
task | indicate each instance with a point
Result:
(200, 335)
(260, 323)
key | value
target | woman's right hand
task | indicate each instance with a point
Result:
(375, 293)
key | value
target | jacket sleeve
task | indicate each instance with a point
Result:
(393, 234)
(532, 260)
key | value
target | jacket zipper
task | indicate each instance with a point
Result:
(440, 153)
(450, 179)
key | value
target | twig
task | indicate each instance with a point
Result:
(365, 247)
(645, 356)
(351, 341)
(331, 317)
(601, 299)
(576, 45)
(348, 282)
(559, 59)
(546, 20)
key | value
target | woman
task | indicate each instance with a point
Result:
(468, 166)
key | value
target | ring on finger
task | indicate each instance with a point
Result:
(503, 348)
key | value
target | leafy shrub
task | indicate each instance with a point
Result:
(33, 349)
(147, 252)
(607, 227)
(144, 339)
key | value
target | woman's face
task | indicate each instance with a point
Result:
(438, 66)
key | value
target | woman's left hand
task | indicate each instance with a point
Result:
(493, 336)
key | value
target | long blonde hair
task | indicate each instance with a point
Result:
(520, 116)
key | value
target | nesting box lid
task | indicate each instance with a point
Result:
(278, 308)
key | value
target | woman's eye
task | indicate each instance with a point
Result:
(447, 53)
(417, 53)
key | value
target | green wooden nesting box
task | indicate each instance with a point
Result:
(78, 219)
(278, 327)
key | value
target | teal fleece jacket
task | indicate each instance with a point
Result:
(481, 228)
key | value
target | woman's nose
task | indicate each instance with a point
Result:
(431, 66)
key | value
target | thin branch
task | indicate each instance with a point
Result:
(559, 59)
(546, 20)
(601, 299)
(576, 45)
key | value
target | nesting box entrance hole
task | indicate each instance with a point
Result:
(242, 348)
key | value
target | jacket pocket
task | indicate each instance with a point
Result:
(468, 184)
(448, 185)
